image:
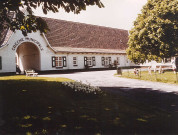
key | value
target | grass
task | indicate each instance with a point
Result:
(166, 77)
(25, 78)
(40, 106)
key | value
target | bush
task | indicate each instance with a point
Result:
(79, 87)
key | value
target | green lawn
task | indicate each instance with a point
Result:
(25, 78)
(166, 77)
(42, 106)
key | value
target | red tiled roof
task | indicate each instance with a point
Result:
(6, 33)
(78, 35)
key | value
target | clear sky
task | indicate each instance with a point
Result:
(116, 14)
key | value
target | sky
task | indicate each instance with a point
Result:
(116, 14)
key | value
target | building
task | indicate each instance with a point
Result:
(68, 45)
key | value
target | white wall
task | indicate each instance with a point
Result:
(80, 60)
(8, 60)
(8, 52)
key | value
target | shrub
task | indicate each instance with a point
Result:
(79, 87)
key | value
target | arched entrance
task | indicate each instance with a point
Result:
(28, 57)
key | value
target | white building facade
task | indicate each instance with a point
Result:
(68, 45)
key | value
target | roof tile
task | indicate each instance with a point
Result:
(78, 35)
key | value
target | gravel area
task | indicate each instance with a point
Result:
(107, 79)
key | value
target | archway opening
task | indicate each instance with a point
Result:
(27, 57)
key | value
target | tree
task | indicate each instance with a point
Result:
(155, 32)
(31, 23)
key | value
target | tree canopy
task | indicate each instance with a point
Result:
(155, 32)
(30, 23)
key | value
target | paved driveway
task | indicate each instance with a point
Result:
(107, 79)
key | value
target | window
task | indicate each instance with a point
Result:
(118, 60)
(89, 61)
(94, 61)
(110, 62)
(59, 61)
(75, 61)
(0, 62)
(103, 61)
(106, 61)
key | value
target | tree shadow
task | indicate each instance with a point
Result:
(161, 99)
(162, 105)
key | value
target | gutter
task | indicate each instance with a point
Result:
(89, 52)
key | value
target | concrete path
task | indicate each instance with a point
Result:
(107, 79)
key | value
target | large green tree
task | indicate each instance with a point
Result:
(155, 32)
(30, 22)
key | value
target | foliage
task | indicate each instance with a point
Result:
(83, 88)
(155, 31)
(30, 23)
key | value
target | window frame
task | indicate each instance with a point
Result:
(64, 59)
(93, 61)
(118, 60)
(106, 61)
(76, 61)
(53, 61)
(57, 60)
(89, 61)
(102, 61)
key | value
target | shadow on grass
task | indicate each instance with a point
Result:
(165, 100)
(43, 107)
(161, 107)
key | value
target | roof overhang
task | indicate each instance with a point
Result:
(88, 50)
